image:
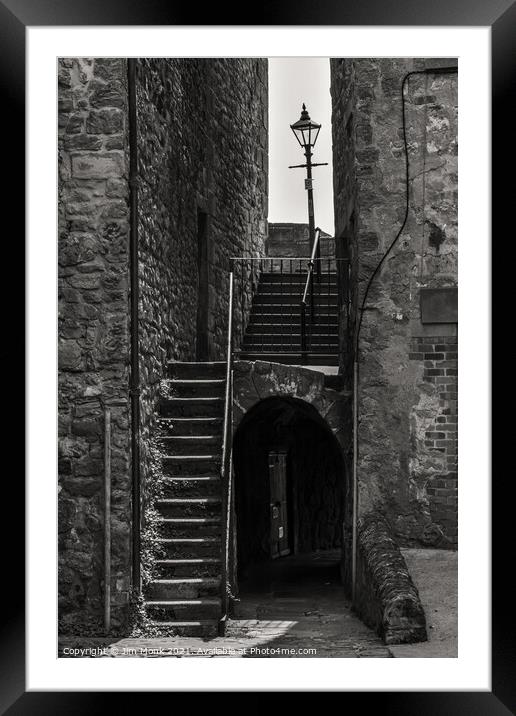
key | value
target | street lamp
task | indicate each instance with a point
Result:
(306, 132)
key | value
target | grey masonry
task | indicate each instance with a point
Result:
(202, 184)
(202, 157)
(407, 403)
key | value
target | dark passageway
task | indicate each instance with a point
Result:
(289, 487)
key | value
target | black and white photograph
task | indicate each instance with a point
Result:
(258, 357)
(252, 254)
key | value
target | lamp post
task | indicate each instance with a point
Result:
(306, 132)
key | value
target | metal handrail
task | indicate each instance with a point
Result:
(309, 284)
(226, 472)
(311, 263)
(107, 520)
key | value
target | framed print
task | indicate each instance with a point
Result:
(266, 372)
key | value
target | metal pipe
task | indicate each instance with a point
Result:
(355, 481)
(226, 463)
(107, 520)
(134, 300)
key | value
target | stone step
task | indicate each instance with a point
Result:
(184, 609)
(278, 354)
(188, 444)
(190, 547)
(318, 334)
(195, 465)
(183, 588)
(190, 526)
(192, 407)
(290, 358)
(259, 346)
(262, 298)
(190, 426)
(196, 370)
(296, 289)
(179, 388)
(193, 567)
(284, 329)
(286, 349)
(192, 486)
(286, 346)
(289, 310)
(274, 323)
(202, 628)
(297, 277)
(189, 506)
(286, 293)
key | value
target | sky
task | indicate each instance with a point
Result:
(292, 81)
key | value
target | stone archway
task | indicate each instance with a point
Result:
(288, 410)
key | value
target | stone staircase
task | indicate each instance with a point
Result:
(273, 331)
(185, 595)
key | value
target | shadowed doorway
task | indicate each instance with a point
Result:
(289, 486)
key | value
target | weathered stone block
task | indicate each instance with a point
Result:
(110, 94)
(97, 166)
(115, 142)
(82, 486)
(74, 123)
(110, 68)
(81, 141)
(70, 356)
(116, 188)
(105, 121)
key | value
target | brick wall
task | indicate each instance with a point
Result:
(400, 473)
(439, 357)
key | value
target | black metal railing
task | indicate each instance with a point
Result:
(290, 304)
(309, 289)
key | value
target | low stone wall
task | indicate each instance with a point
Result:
(386, 598)
(292, 241)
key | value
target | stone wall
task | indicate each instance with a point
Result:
(202, 157)
(93, 334)
(407, 467)
(202, 149)
(292, 240)
(386, 597)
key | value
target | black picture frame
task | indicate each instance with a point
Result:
(15, 16)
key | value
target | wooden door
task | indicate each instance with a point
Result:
(278, 504)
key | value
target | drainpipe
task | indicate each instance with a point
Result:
(355, 481)
(135, 367)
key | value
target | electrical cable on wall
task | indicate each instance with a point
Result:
(428, 71)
